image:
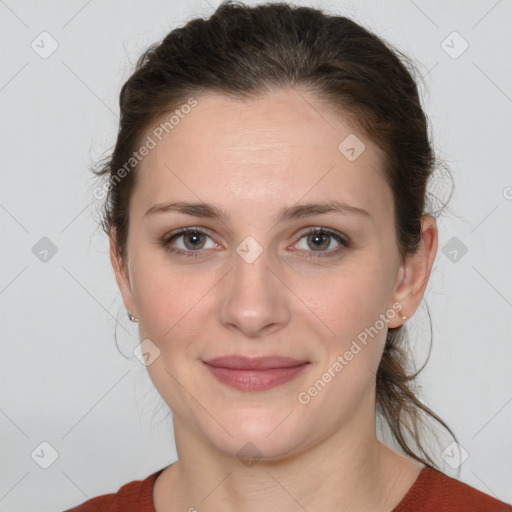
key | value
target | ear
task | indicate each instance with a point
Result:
(414, 273)
(122, 275)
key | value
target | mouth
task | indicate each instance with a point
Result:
(255, 374)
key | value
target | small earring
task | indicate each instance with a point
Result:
(404, 318)
(131, 317)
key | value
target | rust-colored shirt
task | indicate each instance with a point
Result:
(432, 491)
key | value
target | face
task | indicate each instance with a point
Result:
(268, 277)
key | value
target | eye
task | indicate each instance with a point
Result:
(188, 241)
(319, 240)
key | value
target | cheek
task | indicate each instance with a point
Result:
(173, 315)
(348, 307)
(347, 300)
(170, 299)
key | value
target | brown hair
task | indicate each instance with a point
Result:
(244, 52)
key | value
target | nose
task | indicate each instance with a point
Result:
(255, 300)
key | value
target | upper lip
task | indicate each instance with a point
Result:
(236, 362)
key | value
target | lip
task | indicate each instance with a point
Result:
(236, 362)
(255, 374)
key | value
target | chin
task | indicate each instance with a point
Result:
(257, 434)
(252, 449)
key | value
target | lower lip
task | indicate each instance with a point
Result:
(255, 380)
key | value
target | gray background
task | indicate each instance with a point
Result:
(62, 379)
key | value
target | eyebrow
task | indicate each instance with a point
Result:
(287, 213)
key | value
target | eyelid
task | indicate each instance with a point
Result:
(327, 231)
(183, 231)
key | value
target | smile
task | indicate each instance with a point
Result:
(257, 374)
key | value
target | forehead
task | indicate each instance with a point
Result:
(271, 150)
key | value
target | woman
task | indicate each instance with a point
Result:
(269, 229)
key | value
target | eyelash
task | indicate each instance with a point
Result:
(341, 239)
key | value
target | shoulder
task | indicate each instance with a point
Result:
(434, 490)
(136, 496)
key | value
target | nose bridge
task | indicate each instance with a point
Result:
(254, 298)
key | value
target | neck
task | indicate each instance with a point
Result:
(351, 470)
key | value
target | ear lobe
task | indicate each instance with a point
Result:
(121, 273)
(415, 271)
